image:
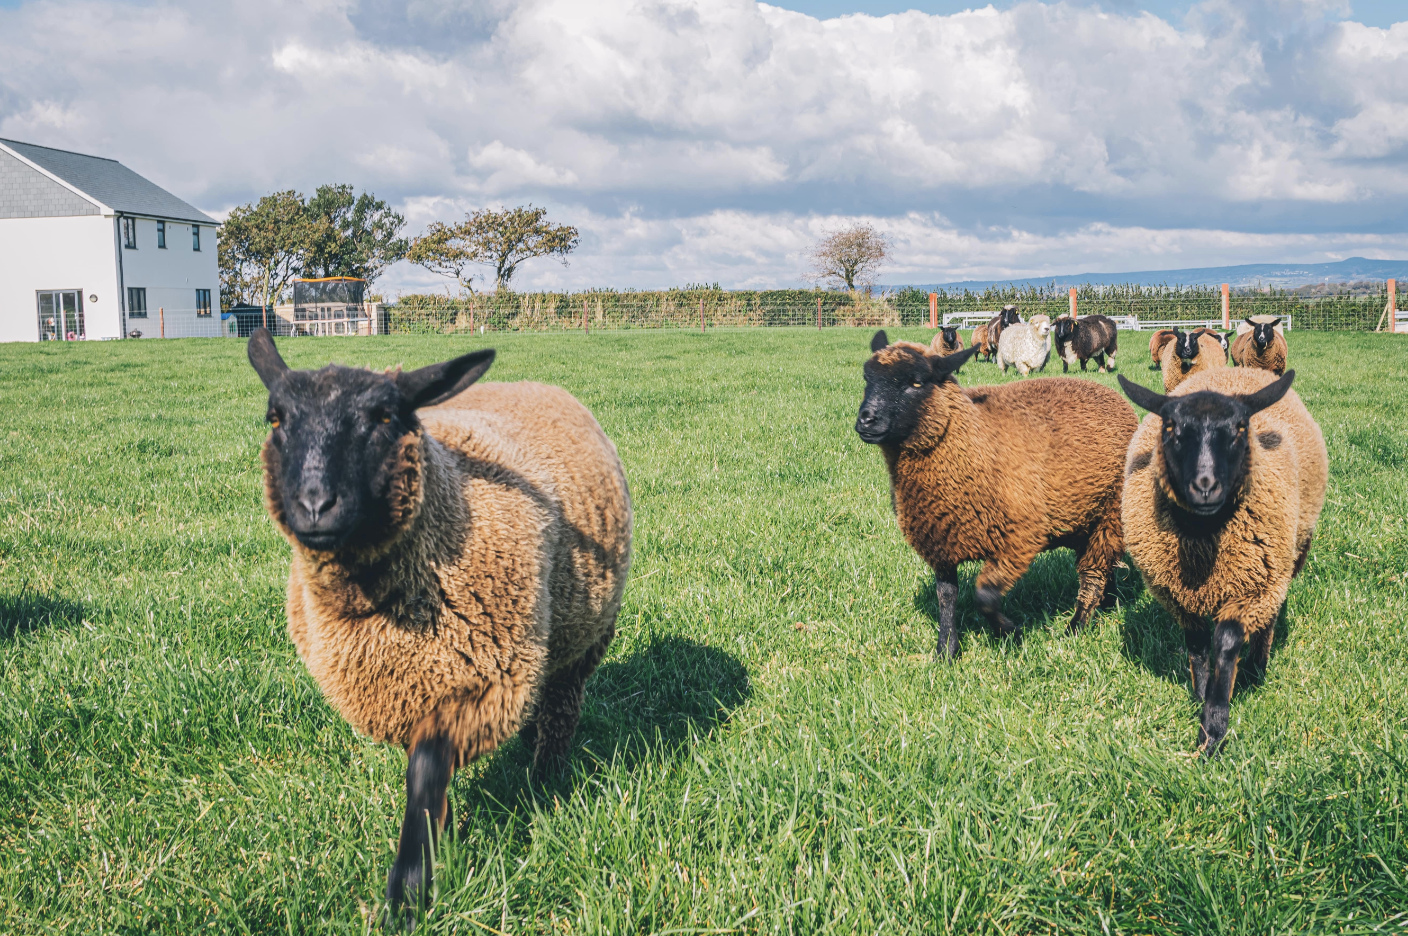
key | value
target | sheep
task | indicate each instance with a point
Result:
(991, 333)
(1187, 354)
(459, 556)
(1261, 345)
(1080, 339)
(986, 473)
(1219, 336)
(946, 340)
(979, 340)
(1223, 486)
(1156, 345)
(1025, 346)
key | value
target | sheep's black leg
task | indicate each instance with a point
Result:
(1196, 640)
(1065, 366)
(1083, 362)
(946, 591)
(429, 767)
(1227, 642)
(560, 708)
(1259, 652)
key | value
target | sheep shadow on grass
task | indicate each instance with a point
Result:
(648, 706)
(29, 611)
(1044, 597)
(1154, 641)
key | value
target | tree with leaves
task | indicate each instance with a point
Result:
(501, 239)
(263, 246)
(849, 257)
(354, 235)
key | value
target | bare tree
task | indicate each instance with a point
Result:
(501, 239)
(849, 257)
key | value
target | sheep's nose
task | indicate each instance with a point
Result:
(867, 417)
(1205, 484)
(316, 503)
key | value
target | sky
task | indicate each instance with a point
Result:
(716, 140)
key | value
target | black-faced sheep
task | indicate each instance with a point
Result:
(946, 340)
(987, 336)
(459, 555)
(1026, 346)
(1224, 483)
(1187, 354)
(988, 473)
(1261, 345)
(1080, 339)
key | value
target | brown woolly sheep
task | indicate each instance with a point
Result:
(988, 473)
(979, 339)
(1157, 341)
(1219, 336)
(1261, 346)
(1187, 354)
(1223, 486)
(459, 555)
(946, 340)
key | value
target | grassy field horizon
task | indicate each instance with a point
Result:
(769, 746)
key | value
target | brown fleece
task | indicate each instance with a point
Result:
(1244, 353)
(495, 592)
(941, 347)
(980, 338)
(995, 473)
(1157, 341)
(1240, 570)
(1176, 370)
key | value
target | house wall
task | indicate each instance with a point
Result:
(171, 277)
(57, 253)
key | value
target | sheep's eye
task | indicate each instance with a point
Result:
(273, 419)
(917, 384)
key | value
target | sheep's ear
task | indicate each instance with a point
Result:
(265, 357)
(1268, 395)
(1142, 396)
(879, 341)
(946, 364)
(1249, 322)
(438, 382)
(1277, 322)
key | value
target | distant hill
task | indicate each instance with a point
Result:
(1282, 275)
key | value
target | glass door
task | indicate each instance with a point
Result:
(61, 315)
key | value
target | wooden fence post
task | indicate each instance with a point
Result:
(1393, 305)
(818, 311)
(161, 313)
(933, 310)
(701, 315)
(586, 328)
(1073, 302)
(1226, 309)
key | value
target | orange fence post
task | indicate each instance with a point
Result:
(1073, 302)
(1393, 305)
(1226, 309)
(161, 312)
(933, 310)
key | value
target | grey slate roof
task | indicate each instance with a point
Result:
(109, 182)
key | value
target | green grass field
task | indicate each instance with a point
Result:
(769, 746)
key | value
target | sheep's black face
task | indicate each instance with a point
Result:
(950, 335)
(1009, 316)
(336, 438)
(897, 382)
(335, 435)
(1064, 329)
(1263, 333)
(1185, 345)
(1205, 440)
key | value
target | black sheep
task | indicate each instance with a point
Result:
(1093, 336)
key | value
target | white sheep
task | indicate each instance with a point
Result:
(1026, 347)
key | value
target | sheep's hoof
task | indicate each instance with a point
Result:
(404, 891)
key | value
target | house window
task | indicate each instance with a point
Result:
(129, 233)
(195, 237)
(202, 302)
(136, 302)
(161, 234)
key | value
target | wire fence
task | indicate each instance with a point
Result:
(1364, 309)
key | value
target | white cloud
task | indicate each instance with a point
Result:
(712, 139)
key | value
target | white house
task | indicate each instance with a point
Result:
(90, 249)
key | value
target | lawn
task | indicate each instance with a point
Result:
(770, 745)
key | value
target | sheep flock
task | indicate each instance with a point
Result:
(459, 551)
